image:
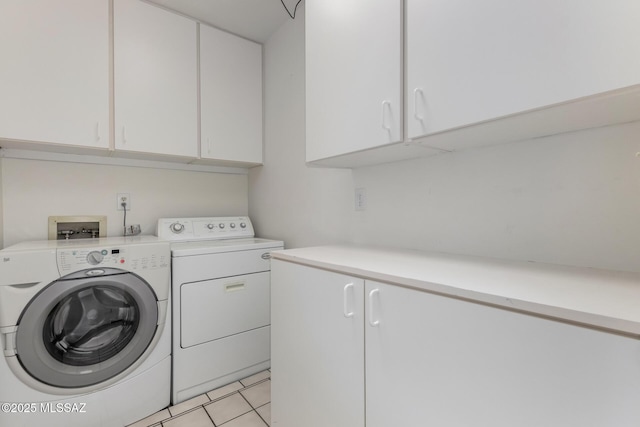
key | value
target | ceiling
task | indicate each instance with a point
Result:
(253, 19)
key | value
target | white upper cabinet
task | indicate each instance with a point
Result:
(231, 97)
(155, 80)
(471, 61)
(54, 72)
(471, 73)
(353, 75)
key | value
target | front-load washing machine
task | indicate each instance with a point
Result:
(82, 330)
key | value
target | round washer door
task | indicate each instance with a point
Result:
(86, 328)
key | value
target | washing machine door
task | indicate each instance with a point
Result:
(87, 327)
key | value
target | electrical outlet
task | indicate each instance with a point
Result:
(123, 198)
(361, 199)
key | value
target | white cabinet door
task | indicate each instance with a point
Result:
(54, 72)
(156, 80)
(437, 361)
(470, 61)
(317, 348)
(231, 97)
(353, 75)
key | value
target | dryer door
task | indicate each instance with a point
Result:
(87, 327)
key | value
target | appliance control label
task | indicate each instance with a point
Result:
(70, 260)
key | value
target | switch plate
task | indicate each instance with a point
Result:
(360, 199)
(123, 197)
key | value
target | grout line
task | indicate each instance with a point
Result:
(249, 403)
(253, 409)
(208, 415)
(263, 420)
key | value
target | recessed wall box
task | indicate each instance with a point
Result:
(77, 227)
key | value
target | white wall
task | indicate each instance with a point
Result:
(33, 190)
(569, 199)
(304, 206)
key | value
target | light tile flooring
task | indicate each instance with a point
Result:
(244, 403)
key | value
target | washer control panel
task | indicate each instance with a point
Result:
(205, 228)
(123, 257)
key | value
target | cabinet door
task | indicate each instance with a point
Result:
(437, 361)
(54, 77)
(353, 75)
(231, 97)
(470, 61)
(156, 80)
(317, 348)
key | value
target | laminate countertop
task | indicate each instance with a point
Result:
(602, 299)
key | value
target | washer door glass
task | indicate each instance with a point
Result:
(86, 328)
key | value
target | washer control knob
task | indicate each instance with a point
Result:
(243, 225)
(210, 226)
(176, 227)
(95, 257)
(232, 225)
(221, 225)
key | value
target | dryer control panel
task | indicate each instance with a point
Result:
(204, 228)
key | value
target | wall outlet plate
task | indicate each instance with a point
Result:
(123, 198)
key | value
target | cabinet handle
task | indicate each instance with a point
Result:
(233, 287)
(372, 322)
(97, 131)
(385, 126)
(345, 301)
(416, 93)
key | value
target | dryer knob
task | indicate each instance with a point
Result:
(221, 225)
(176, 227)
(210, 226)
(243, 225)
(232, 225)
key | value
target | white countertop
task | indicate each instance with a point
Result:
(604, 299)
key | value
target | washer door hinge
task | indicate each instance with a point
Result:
(9, 340)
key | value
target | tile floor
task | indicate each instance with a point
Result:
(244, 403)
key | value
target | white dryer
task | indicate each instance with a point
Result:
(221, 302)
(82, 329)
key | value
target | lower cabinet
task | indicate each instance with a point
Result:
(348, 353)
(317, 348)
